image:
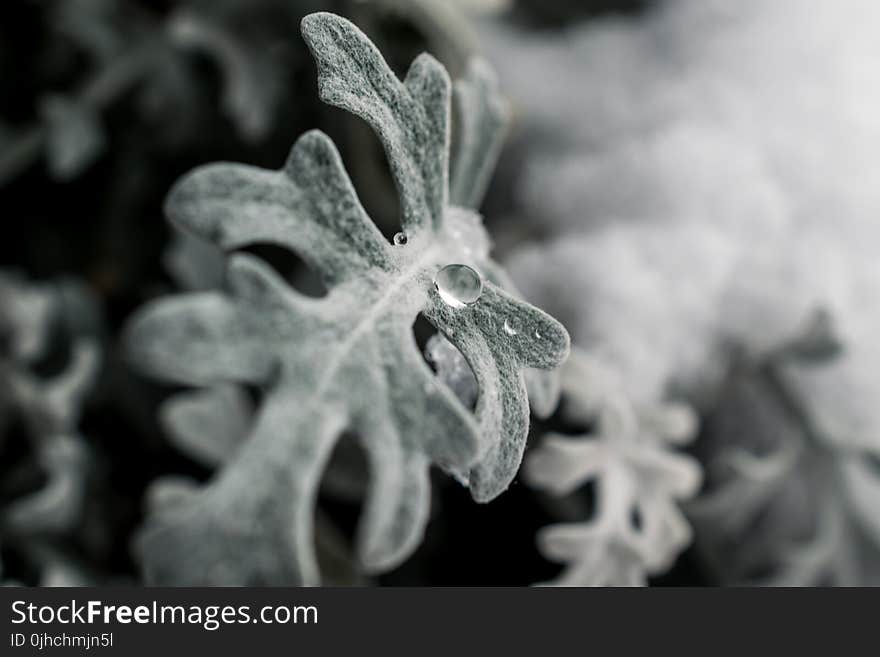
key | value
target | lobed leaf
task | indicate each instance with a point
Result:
(634, 476)
(346, 362)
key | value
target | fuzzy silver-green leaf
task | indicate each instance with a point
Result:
(347, 361)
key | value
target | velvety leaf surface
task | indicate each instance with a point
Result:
(347, 361)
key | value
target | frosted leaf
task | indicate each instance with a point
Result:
(634, 474)
(543, 385)
(344, 362)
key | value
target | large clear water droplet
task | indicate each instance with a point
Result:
(458, 285)
(400, 239)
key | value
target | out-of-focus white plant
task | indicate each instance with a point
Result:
(33, 317)
(636, 528)
(706, 174)
(130, 51)
(784, 504)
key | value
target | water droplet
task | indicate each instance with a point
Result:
(400, 239)
(537, 334)
(458, 285)
(508, 328)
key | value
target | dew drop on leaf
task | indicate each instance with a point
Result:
(508, 328)
(458, 285)
(400, 239)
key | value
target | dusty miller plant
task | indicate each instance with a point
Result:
(33, 318)
(636, 528)
(787, 503)
(347, 361)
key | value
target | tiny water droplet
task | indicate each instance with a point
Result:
(508, 328)
(537, 334)
(400, 239)
(458, 285)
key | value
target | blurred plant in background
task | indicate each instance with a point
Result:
(49, 360)
(636, 528)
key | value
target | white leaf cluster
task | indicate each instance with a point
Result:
(33, 317)
(636, 528)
